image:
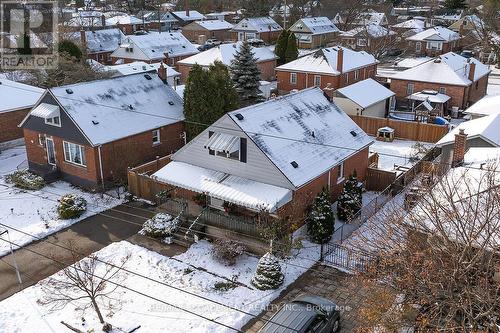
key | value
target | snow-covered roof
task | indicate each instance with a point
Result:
(241, 191)
(433, 97)
(123, 19)
(371, 30)
(449, 68)
(371, 17)
(85, 21)
(366, 93)
(194, 15)
(486, 128)
(213, 25)
(258, 24)
(141, 67)
(107, 110)
(441, 34)
(410, 24)
(225, 53)
(488, 105)
(411, 62)
(316, 25)
(477, 156)
(305, 128)
(106, 40)
(16, 96)
(325, 61)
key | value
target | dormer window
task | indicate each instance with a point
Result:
(56, 121)
(226, 145)
(49, 112)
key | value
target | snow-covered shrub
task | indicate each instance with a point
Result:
(71, 206)
(351, 199)
(268, 274)
(25, 180)
(320, 220)
(226, 251)
(224, 286)
(161, 225)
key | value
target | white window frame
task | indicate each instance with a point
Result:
(68, 159)
(156, 137)
(41, 139)
(362, 42)
(340, 176)
(418, 46)
(53, 148)
(293, 78)
(436, 46)
(50, 121)
(356, 74)
(317, 80)
(409, 91)
(442, 90)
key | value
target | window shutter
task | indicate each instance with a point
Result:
(243, 150)
(210, 151)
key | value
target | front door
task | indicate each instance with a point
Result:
(51, 153)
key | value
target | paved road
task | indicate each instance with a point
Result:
(89, 235)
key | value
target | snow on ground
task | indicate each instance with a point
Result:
(494, 81)
(393, 153)
(34, 212)
(17, 315)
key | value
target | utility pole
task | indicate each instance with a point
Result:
(13, 256)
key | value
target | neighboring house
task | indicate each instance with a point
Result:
(365, 98)
(16, 101)
(332, 68)
(200, 31)
(410, 27)
(467, 24)
(173, 77)
(99, 44)
(159, 21)
(482, 132)
(266, 59)
(371, 37)
(361, 19)
(93, 131)
(242, 159)
(230, 16)
(185, 17)
(264, 28)
(152, 47)
(486, 106)
(434, 41)
(86, 21)
(314, 32)
(128, 24)
(463, 80)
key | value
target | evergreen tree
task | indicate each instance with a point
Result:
(71, 48)
(246, 75)
(281, 44)
(291, 48)
(455, 4)
(320, 221)
(350, 200)
(268, 274)
(208, 95)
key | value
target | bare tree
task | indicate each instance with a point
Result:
(86, 284)
(487, 28)
(439, 259)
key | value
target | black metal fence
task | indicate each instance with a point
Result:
(347, 257)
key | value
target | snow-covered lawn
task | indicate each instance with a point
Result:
(34, 212)
(494, 81)
(17, 314)
(393, 153)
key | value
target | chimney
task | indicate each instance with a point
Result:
(103, 21)
(162, 73)
(83, 39)
(328, 92)
(472, 70)
(340, 59)
(186, 6)
(459, 148)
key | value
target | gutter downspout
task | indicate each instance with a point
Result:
(100, 167)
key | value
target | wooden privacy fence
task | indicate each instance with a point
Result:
(379, 180)
(141, 184)
(408, 130)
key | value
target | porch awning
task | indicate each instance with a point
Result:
(44, 110)
(432, 98)
(240, 191)
(223, 142)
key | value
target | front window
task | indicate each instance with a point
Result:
(293, 78)
(409, 89)
(356, 74)
(74, 153)
(317, 80)
(418, 46)
(435, 45)
(362, 42)
(340, 175)
(55, 121)
(156, 137)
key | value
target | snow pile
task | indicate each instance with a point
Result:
(161, 225)
(19, 313)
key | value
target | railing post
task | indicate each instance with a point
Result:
(321, 253)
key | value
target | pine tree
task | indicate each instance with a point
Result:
(268, 274)
(281, 44)
(246, 75)
(320, 221)
(291, 48)
(350, 200)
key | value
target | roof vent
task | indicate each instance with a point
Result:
(353, 133)
(170, 103)
(148, 77)
(69, 91)
(437, 60)
(95, 122)
(294, 164)
(312, 134)
(130, 107)
(239, 116)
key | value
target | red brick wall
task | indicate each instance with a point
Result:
(478, 89)
(193, 35)
(102, 57)
(447, 47)
(8, 124)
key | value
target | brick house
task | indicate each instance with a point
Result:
(264, 28)
(370, 38)
(99, 44)
(184, 17)
(332, 67)
(128, 24)
(434, 41)
(89, 132)
(167, 47)
(200, 31)
(266, 59)
(16, 101)
(314, 32)
(463, 80)
(230, 164)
